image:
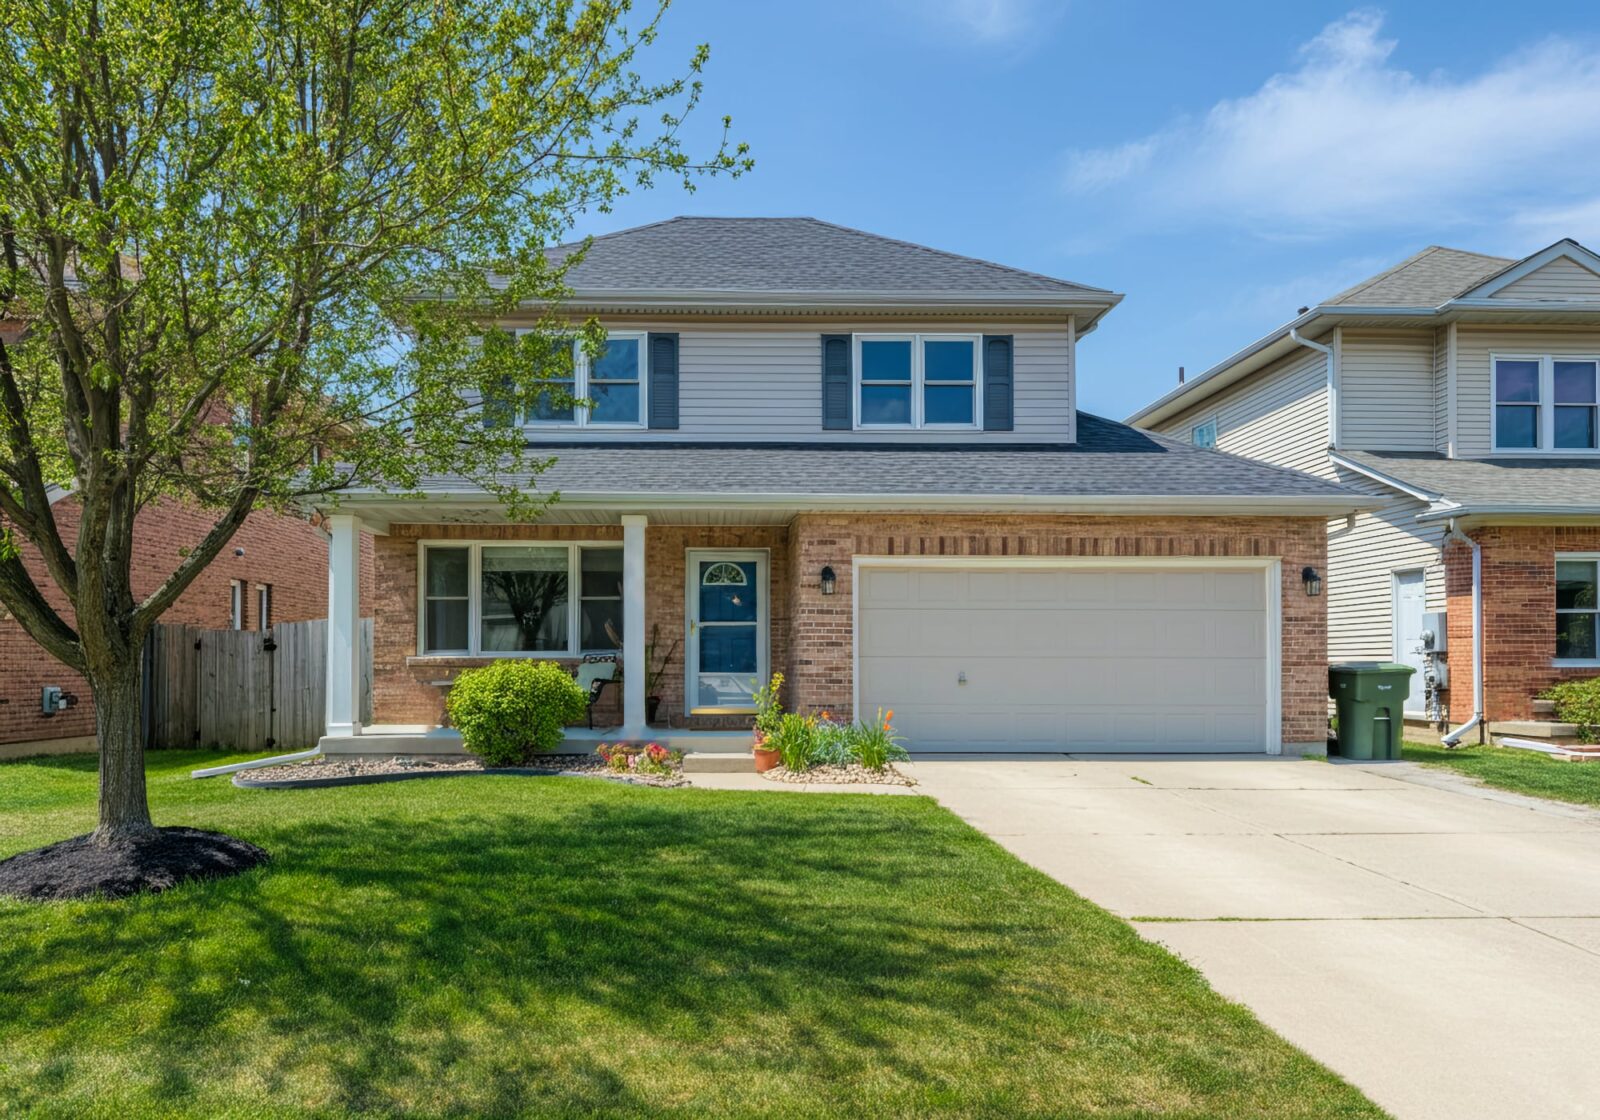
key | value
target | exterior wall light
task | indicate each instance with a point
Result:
(1311, 581)
(829, 583)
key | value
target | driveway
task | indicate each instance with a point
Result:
(1436, 944)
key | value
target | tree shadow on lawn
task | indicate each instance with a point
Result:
(496, 952)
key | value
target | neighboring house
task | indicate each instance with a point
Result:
(274, 570)
(1463, 390)
(859, 462)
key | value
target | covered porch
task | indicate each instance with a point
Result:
(694, 614)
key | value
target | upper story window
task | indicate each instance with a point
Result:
(516, 599)
(917, 381)
(1546, 404)
(1204, 435)
(613, 383)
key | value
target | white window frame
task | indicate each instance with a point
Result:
(1546, 407)
(475, 549)
(581, 369)
(235, 604)
(918, 383)
(1208, 422)
(263, 606)
(1578, 662)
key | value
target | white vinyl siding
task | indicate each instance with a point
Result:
(1361, 562)
(1441, 390)
(1279, 415)
(1474, 383)
(1386, 393)
(1561, 279)
(763, 381)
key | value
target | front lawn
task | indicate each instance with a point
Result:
(1519, 771)
(563, 947)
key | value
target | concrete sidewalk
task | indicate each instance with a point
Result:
(1436, 944)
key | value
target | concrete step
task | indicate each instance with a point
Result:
(719, 762)
(1534, 729)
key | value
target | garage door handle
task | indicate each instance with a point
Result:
(961, 678)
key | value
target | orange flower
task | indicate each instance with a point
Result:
(826, 714)
(888, 717)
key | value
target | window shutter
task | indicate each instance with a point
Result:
(663, 381)
(997, 381)
(836, 410)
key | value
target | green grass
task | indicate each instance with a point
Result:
(562, 947)
(1516, 770)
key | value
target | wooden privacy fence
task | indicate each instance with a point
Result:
(242, 689)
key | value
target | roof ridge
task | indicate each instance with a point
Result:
(617, 233)
(997, 266)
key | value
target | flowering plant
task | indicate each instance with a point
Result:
(652, 758)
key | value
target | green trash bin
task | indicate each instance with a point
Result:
(1370, 697)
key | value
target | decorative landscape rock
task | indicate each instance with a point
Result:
(80, 868)
(357, 771)
(853, 774)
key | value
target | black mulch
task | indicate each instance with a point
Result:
(80, 868)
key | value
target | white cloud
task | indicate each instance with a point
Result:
(1348, 140)
(987, 21)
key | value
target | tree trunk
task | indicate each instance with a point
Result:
(124, 811)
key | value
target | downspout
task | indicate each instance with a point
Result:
(1455, 534)
(1333, 386)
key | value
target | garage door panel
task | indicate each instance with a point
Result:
(1066, 659)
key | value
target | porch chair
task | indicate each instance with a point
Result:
(592, 677)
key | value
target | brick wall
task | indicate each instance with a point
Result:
(408, 688)
(1519, 622)
(283, 551)
(819, 667)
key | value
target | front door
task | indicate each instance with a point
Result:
(1410, 600)
(727, 639)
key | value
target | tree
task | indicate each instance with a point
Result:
(235, 232)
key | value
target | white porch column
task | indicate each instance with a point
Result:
(344, 625)
(633, 659)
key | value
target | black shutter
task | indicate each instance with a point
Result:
(836, 411)
(997, 379)
(663, 381)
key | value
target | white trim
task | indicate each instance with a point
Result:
(1545, 407)
(1387, 480)
(691, 643)
(236, 604)
(918, 384)
(582, 371)
(1581, 558)
(1336, 390)
(1394, 621)
(574, 648)
(1271, 567)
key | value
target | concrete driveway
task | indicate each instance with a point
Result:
(1436, 944)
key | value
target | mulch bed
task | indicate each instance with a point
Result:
(319, 772)
(854, 774)
(80, 868)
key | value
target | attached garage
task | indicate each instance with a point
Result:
(1083, 655)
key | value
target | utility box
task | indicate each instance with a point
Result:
(1434, 622)
(1370, 697)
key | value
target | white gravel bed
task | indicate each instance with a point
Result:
(587, 765)
(854, 774)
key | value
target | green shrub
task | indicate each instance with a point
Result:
(795, 739)
(769, 706)
(509, 710)
(875, 745)
(1578, 702)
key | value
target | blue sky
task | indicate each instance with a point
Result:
(1221, 166)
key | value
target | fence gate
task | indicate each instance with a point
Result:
(242, 689)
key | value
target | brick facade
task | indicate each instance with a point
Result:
(410, 689)
(811, 634)
(280, 550)
(820, 652)
(1519, 621)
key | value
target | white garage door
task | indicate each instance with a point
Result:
(1066, 658)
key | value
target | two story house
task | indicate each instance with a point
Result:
(859, 462)
(1462, 390)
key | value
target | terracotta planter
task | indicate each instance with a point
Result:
(765, 759)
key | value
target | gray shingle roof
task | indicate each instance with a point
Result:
(1109, 460)
(1498, 485)
(786, 255)
(1425, 280)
